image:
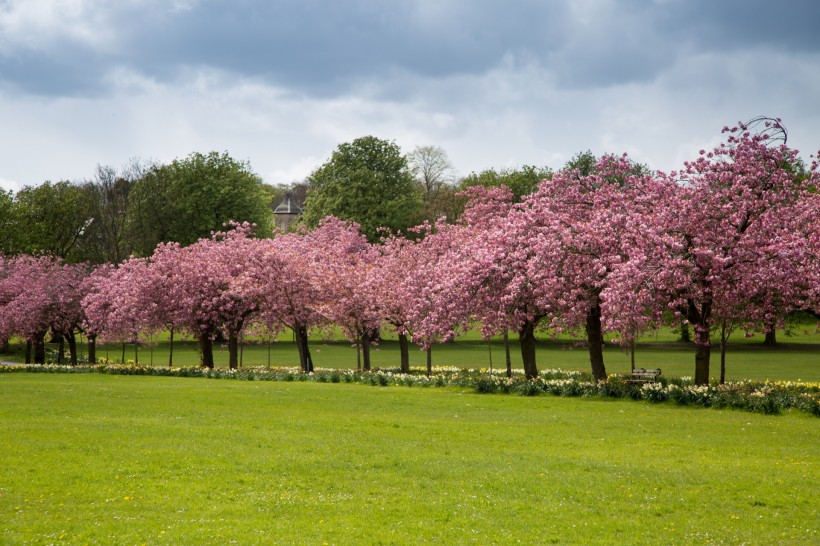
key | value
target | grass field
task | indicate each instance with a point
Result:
(99, 459)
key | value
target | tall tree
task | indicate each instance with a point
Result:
(8, 223)
(366, 181)
(585, 215)
(434, 175)
(503, 268)
(107, 198)
(51, 218)
(346, 275)
(190, 198)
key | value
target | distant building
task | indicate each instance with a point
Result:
(287, 213)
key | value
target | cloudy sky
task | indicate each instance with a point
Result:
(503, 83)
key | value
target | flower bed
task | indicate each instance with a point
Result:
(769, 397)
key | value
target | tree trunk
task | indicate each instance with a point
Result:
(404, 350)
(526, 337)
(723, 337)
(39, 345)
(28, 351)
(632, 354)
(60, 348)
(702, 363)
(4, 345)
(771, 337)
(701, 321)
(72, 348)
(364, 340)
(507, 358)
(92, 348)
(171, 348)
(595, 338)
(233, 350)
(206, 351)
(122, 359)
(429, 361)
(490, 352)
(685, 336)
(305, 362)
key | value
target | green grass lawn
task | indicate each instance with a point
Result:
(101, 459)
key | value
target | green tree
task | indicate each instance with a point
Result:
(521, 181)
(365, 181)
(585, 164)
(189, 198)
(8, 223)
(51, 218)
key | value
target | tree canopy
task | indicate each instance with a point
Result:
(51, 218)
(189, 198)
(522, 181)
(366, 181)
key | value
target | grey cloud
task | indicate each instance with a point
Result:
(319, 47)
(322, 48)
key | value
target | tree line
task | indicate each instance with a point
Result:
(129, 211)
(731, 241)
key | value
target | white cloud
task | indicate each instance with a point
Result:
(39, 24)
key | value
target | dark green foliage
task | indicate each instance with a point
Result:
(366, 181)
(189, 198)
(51, 218)
(584, 164)
(8, 223)
(521, 181)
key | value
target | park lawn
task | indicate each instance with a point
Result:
(130, 460)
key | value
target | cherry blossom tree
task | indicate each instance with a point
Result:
(503, 270)
(721, 230)
(41, 294)
(418, 287)
(576, 223)
(399, 261)
(114, 308)
(206, 289)
(95, 283)
(290, 296)
(345, 272)
(5, 297)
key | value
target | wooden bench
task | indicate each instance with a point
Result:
(642, 375)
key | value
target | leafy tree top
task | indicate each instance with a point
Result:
(522, 181)
(189, 198)
(366, 181)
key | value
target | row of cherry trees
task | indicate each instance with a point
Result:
(731, 241)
